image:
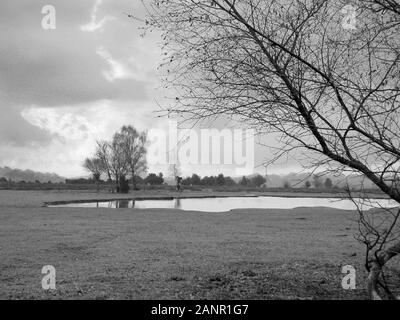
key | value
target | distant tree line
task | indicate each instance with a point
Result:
(5, 180)
(150, 179)
(317, 183)
(221, 180)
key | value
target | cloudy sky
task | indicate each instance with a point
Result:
(62, 89)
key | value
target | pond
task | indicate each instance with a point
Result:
(229, 203)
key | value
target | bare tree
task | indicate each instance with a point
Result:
(124, 154)
(113, 158)
(118, 164)
(134, 148)
(297, 69)
(175, 172)
(103, 152)
(96, 167)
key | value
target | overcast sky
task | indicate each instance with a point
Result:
(62, 89)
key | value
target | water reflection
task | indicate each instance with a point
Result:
(123, 204)
(178, 204)
(227, 204)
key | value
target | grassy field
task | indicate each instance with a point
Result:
(171, 254)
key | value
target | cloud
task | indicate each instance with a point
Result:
(117, 69)
(65, 66)
(62, 89)
(93, 26)
(56, 86)
(66, 125)
(70, 134)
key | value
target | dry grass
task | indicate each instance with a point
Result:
(170, 254)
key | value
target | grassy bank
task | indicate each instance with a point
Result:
(170, 254)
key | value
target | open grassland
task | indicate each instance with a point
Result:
(172, 254)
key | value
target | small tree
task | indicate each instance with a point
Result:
(258, 180)
(124, 155)
(153, 179)
(220, 180)
(103, 152)
(328, 183)
(287, 185)
(195, 180)
(209, 181)
(307, 184)
(133, 145)
(112, 155)
(187, 181)
(229, 181)
(317, 181)
(244, 182)
(96, 167)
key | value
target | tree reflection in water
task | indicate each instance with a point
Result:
(177, 204)
(123, 204)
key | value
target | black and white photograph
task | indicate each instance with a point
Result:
(221, 151)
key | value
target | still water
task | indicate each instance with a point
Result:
(227, 204)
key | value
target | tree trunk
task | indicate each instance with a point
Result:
(109, 175)
(372, 282)
(117, 187)
(375, 271)
(133, 180)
